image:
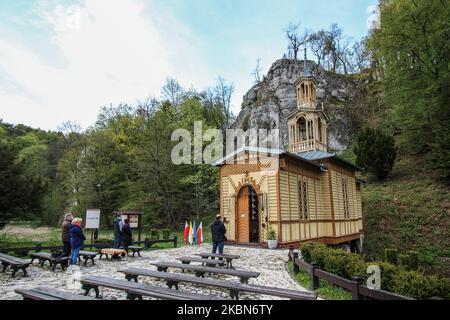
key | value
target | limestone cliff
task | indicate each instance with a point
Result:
(268, 104)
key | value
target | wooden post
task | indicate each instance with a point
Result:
(175, 241)
(296, 268)
(315, 282)
(139, 226)
(291, 252)
(357, 281)
(146, 243)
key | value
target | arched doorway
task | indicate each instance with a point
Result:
(247, 216)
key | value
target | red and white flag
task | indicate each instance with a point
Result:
(200, 234)
(186, 233)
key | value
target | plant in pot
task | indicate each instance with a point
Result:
(272, 241)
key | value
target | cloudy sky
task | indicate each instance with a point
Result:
(64, 60)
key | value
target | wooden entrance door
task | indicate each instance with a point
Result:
(243, 234)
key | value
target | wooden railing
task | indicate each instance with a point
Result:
(37, 248)
(355, 286)
(307, 145)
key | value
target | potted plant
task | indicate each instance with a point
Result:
(272, 241)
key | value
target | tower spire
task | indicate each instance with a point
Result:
(306, 64)
(306, 72)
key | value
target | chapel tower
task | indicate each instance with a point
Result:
(308, 124)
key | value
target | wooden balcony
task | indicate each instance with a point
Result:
(307, 145)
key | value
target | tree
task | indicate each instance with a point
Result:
(223, 93)
(295, 39)
(375, 152)
(257, 72)
(414, 53)
(361, 55)
(172, 91)
(19, 194)
(317, 44)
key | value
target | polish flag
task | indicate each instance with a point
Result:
(200, 233)
(186, 233)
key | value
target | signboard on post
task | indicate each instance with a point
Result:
(92, 219)
(134, 220)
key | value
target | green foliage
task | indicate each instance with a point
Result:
(414, 284)
(165, 233)
(272, 235)
(409, 261)
(375, 152)
(415, 57)
(21, 192)
(154, 234)
(391, 256)
(393, 278)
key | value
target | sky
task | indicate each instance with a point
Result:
(63, 60)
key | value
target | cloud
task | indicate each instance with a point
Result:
(108, 52)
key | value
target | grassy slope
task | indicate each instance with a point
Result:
(410, 210)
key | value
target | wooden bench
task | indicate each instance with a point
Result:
(228, 257)
(45, 293)
(136, 290)
(54, 261)
(207, 262)
(87, 255)
(135, 249)
(15, 264)
(172, 280)
(201, 270)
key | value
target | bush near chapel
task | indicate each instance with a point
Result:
(375, 152)
(397, 279)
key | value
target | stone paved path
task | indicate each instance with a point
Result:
(270, 263)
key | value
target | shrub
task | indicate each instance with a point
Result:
(414, 284)
(305, 250)
(393, 278)
(154, 234)
(375, 152)
(165, 234)
(389, 273)
(391, 256)
(272, 234)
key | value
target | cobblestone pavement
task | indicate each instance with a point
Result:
(270, 263)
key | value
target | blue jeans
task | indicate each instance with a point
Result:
(117, 241)
(74, 255)
(218, 244)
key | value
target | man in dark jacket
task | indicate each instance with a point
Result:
(127, 237)
(65, 234)
(118, 223)
(218, 235)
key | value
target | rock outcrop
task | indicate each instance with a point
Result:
(268, 104)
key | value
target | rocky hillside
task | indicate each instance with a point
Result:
(268, 104)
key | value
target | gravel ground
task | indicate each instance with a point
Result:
(270, 263)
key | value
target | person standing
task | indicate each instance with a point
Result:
(218, 231)
(127, 237)
(76, 239)
(118, 223)
(65, 234)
